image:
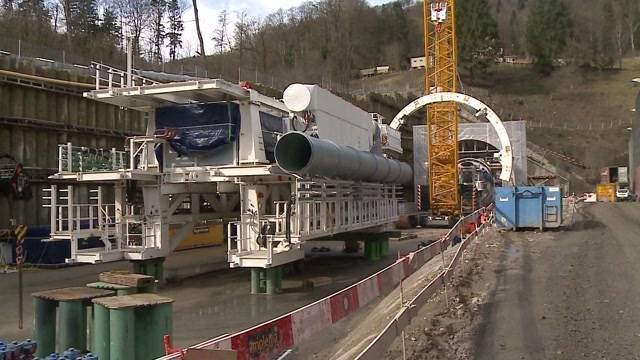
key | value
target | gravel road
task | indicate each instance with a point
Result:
(569, 294)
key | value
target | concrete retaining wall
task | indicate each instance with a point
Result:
(33, 121)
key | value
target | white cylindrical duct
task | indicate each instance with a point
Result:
(301, 154)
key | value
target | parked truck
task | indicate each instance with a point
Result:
(618, 178)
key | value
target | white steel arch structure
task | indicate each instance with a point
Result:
(506, 153)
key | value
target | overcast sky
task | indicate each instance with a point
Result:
(209, 9)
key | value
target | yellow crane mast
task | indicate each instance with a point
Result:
(442, 118)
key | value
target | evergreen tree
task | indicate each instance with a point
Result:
(548, 29)
(522, 4)
(514, 32)
(176, 27)
(394, 30)
(83, 17)
(35, 10)
(605, 58)
(477, 35)
(110, 27)
(33, 20)
(159, 8)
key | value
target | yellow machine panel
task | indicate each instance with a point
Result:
(202, 235)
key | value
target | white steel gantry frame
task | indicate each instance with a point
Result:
(278, 211)
(506, 151)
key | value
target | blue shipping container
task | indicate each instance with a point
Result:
(528, 207)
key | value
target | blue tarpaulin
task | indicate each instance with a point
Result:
(199, 128)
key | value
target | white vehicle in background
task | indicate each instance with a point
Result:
(623, 194)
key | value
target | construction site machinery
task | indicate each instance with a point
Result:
(442, 118)
(278, 172)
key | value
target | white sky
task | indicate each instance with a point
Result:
(209, 10)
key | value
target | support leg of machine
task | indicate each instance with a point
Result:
(263, 281)
(385, 246)
(368, 250)
(151, 267)
(44, 331)
(279, 279)
(122, 333)
(73, 325)
(274, 275)
(255, 280)
(100, 337)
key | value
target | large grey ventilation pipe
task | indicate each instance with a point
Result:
(301, 154)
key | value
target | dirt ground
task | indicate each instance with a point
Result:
(443, 328)
(563, 294)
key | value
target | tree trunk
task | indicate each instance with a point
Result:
(197, 18)
(632, 37)
(620, 49)
(66, 7)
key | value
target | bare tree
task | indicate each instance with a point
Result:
(200, 39)
(7, 7)
(240, 35)
(631, 15)
(136, 16)
(220, 36)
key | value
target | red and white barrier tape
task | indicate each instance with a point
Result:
(269, 339)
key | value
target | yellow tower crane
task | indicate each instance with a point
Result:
(442, 118)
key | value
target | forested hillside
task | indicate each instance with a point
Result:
(328, 40)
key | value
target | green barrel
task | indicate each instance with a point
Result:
(161, 325)
(72, 332)
(100, 336)
(122, 334)
(44, 327)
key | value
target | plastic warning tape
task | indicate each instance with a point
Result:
(271, 338)
(394, 328)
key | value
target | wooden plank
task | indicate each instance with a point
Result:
(126, 278)
(73, 293)
(108, 286)
(128, 301)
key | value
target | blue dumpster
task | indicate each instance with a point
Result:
(520, 207)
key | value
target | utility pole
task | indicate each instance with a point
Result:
(129, 60)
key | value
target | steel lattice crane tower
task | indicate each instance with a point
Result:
(442, 118)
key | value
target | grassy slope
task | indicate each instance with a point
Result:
(580, 100)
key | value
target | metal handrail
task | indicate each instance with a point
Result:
(73, 159)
